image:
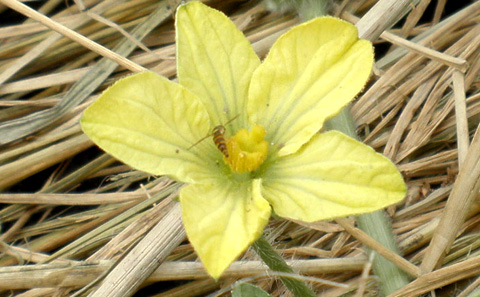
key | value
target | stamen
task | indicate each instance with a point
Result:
(247, 150)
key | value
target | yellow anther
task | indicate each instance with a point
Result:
(247, 150)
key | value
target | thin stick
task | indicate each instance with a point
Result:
(93, 46)
(458, 63)
(379, 248)
(440, 278)
(77, 274)
(111, 24)
(70, 199)
(365, 273)
(40, 48)
(464, 192)
(460, 116)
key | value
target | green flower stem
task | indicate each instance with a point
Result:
(376, 224)
(273, 260)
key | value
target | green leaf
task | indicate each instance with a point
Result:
(222, 220)
(309, 75)
(331, 176)
(150, 123)
(249, 290)
(215, 61)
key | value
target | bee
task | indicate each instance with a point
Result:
(219, 139)
(218, 134)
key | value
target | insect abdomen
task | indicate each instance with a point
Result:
(219, 139)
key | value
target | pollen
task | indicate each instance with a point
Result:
(247, 150)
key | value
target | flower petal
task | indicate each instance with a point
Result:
(309, 75)
(215, 61)
(222, 220)
(331, 176)
(149, 123)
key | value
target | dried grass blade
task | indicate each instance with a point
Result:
(440, 278)
(79, 274)
(470, 289)
(379, 18)
(27, 58)
(32, 28)
(447, 25)
(414, 17)
(461, 118)
(44, 81)
(439, 9)
(390, 11)
(39, 143)
(93, 46)
(145, 257)
(130, 235)
(458, 63)
(16, 129)
(30, 256)
(378, 247)
(36, 51)
(36, 162)
(70, 199)
(464, 191)
(419, 207)
(194, 270)
(77, 176)
(120, 216)
(406, 117)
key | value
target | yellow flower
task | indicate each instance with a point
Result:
(267, 153)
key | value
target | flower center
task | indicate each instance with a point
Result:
(247, 150)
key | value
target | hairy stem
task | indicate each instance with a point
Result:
(273, 260)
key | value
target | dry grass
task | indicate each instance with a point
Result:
(72, 212)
